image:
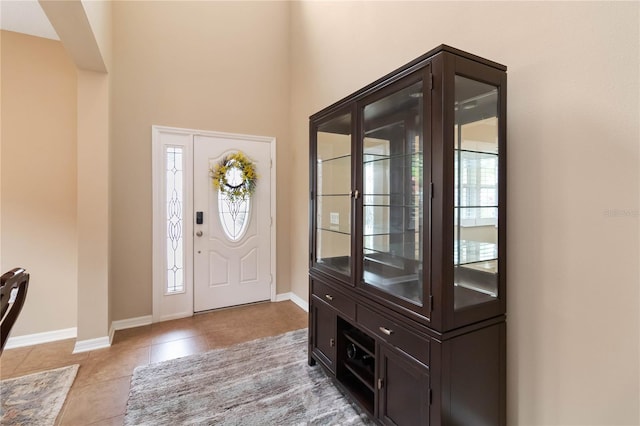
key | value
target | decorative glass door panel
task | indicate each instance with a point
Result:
(333, 195)
(392, 216)
(475, 231)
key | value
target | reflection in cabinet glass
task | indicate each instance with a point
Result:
(333, 189)
(475, 230)
(392, 193)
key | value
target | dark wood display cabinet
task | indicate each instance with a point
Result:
(407, 242)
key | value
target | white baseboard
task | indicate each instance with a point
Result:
(105, 342)
(38, 338)
(92, 344)
(281, 297)
(72, 333)
(294, 298)
(300, 302)
(131, 322)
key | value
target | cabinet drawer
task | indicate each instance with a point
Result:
(333, 298)
(395, 334)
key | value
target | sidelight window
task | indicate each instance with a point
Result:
(174, 160)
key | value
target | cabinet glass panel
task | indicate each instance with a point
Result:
(392, 194)
(333, 194)
(475, 233)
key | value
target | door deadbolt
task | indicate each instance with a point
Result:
(199, 234)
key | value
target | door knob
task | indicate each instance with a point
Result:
(199, 234)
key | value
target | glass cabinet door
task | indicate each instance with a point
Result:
(333, 195)
(392, 212)
(475, 231)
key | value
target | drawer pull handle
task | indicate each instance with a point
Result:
(328, 297)
(386, 331)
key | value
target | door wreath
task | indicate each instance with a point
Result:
(235, 176)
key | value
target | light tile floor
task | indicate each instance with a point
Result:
(99, 394)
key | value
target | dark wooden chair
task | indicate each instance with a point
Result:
(16, 280)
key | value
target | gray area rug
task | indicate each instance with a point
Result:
(262, 382)
(35, 399)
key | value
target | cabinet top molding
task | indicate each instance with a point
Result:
(407, 68)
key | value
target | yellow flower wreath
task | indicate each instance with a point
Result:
(248, 176)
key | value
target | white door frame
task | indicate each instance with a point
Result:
(180, 305)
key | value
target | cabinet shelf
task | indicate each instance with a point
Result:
(481, 281)
(475, 151)
(383, 233)
(334, 231)
(382, 256)
(337, 263)
(361, 340)
(361, 373)
(404, 262)
(356, 374)
(373, 158)
(406, 287)
(361, 393)
(467, 252)
(403, 206)
(381, 280)
(466, 296)
(340, 157)
(386, 194)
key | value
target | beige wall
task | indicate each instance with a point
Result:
(94, 105)
(263, 68)
(219, 66)
(84, 29)
(93, 205)
(39, 178)
(573, 317)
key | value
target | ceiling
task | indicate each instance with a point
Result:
(27, 17)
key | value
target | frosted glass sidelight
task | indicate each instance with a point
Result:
(174, 161)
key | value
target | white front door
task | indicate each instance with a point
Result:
(228, 272)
